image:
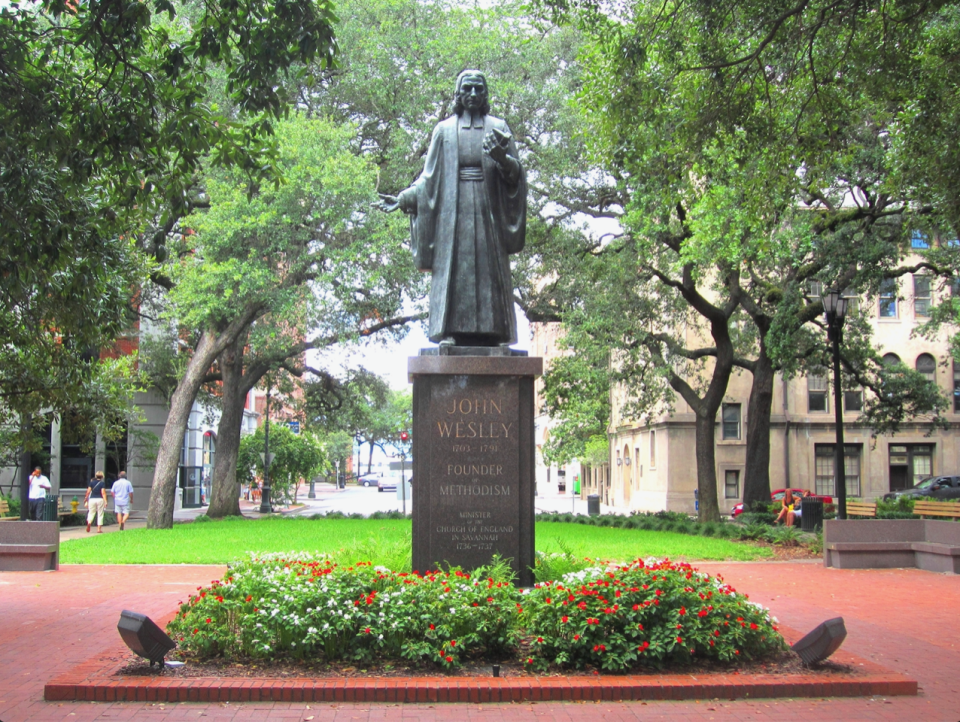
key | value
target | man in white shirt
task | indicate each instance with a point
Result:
(39, 486)
(122, 491)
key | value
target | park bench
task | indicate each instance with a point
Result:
(892, 543)
(949, 509)
(29, 546)
(5, 514)
(862, 508)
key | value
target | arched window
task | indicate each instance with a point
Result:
(927, 365)
(890, 359)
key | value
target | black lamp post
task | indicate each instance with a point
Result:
(265, 507)
(834, 310)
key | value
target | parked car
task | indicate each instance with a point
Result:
(369, 479)
(938, 487)
(777, 495)
(388, 482)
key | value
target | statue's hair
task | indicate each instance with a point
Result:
(458, 103)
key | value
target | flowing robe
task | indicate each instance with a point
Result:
(467, 216)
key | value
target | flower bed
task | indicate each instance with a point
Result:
(613, 617)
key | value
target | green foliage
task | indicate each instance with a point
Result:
(293, 605)
(13, 501)
(900, 507)
(297, 457)
(107, 112)
(784, 536)
(618, 617)
(553, 566)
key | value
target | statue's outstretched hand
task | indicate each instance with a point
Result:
(495, 144)
(387, 204)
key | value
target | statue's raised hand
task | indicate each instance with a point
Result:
(387, 204)
(496, 144)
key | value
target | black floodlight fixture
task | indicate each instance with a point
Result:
(144, 637)
(821, 642)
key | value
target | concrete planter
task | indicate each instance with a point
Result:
(29, 546)
(892, 543)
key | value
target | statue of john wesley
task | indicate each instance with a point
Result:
(468, 212)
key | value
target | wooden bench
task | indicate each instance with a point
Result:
(5, 512)
(949, 509)
(862, 508)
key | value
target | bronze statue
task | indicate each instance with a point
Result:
(467, 214)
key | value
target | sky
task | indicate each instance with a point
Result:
(390, 360)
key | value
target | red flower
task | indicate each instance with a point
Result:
(529, 660)
(490, 599)
(249, 598)
(564, 619)
(640, 627)
(636, 607)
(540, 640)
(643, 647)
(367, 630)
(753, 626)
(548, 600)
(208, 620)
(453, 642)
(576, 636)
(702, 613)
(582, 605)
(679, 640)
(195, 631)
(736, 651)
(449, 659)
(683, 610)
(716, 632)
(432, 627)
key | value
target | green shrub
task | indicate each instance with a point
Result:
(80, 519)
(13, 502)
(291, 605)
(551, 567)
(785, 536)
(754, 517)
(899, 508)
(754, 531)
(617, 617)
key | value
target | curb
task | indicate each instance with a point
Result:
(96, 680)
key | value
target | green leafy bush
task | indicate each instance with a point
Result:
(899, 508)
(785, 536)
(615, 617)
(13, 502)
(753, 517)
(292, 605)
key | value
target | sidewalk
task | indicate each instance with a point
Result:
(905, 620)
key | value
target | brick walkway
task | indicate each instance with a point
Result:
(905, 620)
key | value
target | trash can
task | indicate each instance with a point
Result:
(562, 486)
(811, 514)
(51, 505)
(593, 504)
(342, 481)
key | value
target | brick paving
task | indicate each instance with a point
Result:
(904, 620)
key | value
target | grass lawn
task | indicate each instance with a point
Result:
(382, 541)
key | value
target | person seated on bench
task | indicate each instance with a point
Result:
(791, 499)
(794, 513)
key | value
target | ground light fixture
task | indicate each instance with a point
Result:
(823, 641)
(144, 637)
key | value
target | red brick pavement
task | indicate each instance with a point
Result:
(905, 620)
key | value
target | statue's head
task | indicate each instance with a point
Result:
(471, 93)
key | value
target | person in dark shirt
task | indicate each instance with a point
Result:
(96, 500)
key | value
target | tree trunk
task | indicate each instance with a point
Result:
(756, 477)
(707, 466)
(225, 495)
(212, 344)
(160, 512)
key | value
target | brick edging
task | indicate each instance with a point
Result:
(77, 685)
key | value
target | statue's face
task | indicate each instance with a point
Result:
(473, 92)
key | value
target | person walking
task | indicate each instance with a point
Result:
(96, 501)
(39, 486)
(122, 491)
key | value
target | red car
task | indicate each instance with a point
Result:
(777, 495)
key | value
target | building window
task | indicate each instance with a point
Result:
(927, 365)
(890, 360)
(636, 460)
(853, 400)
(814, 289)
(824, 454)
(731, 421)
(921, 296)
(731, 484)
(853, 300)
(653, 449)
(888, 298)
(919, 240)
(956, 387)
(816, 394)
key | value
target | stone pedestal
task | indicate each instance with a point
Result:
(473, 461)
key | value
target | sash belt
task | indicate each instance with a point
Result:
(471, 174)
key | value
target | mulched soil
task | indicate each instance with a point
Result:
(786, 663)
(784, 554)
